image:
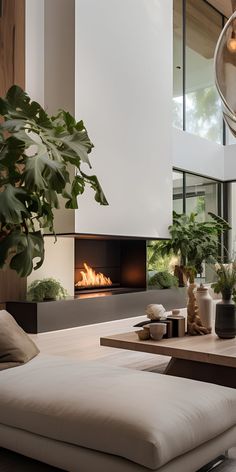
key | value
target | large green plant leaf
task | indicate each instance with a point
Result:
(79, 143)
(77, 188)
(10, 244)
(17, 105)
(32, 247)
(95, 185)
(35, 151)
(44, 173)
(12, 210)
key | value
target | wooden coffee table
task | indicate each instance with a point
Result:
(205, 358)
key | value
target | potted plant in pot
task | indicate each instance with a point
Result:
(163, 280)
(45, 290)
(225, 322)
(36, 151)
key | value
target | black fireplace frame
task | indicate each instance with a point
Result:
(124, 260)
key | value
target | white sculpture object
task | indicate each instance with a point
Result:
(156, 312)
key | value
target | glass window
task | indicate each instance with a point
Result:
(196, 104)
(178, 192)
(201, 196)
(203, 106)
(191, 193)
(178, 65)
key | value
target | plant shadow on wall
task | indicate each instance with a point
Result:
(191, 243)
(35, 153)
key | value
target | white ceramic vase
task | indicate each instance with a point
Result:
(205, 305)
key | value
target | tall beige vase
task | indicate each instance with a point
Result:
(205, 305)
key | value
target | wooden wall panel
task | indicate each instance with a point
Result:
(12, 44)
(12, 287)
(12, 71)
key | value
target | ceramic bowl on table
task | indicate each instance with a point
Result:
(157, 330)
(143, 334)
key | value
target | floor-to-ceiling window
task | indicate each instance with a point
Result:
(197, 110)
(191, 194)
(196, 104)
(196, 194)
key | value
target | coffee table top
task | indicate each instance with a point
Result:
(208, 348)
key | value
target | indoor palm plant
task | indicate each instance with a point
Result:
(35, 153)
(193, 242)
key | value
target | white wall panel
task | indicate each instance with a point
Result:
(58, 263)
(123, 93)
(34, 49)
(198, 155)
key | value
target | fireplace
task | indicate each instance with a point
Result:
(123, 262)
(109, 266)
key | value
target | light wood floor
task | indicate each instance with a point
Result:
(84, 343)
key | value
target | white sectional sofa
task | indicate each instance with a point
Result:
(85, 416)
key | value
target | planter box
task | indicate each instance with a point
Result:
(39, 317)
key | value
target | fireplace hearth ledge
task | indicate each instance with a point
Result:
(40, 317)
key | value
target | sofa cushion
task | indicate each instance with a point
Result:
(16, 347)
(145, 417)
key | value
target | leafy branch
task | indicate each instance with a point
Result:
(35, 153)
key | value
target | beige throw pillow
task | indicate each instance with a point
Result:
(16, 347)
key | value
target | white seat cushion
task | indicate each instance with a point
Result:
(147, 418)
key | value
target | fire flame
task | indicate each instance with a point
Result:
(91, 278)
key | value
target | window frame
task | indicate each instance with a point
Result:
(184, 76)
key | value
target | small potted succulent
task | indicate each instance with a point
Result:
(225, 323)
(45, 290)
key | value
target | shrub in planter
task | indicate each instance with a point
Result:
(163, 280)
(46, 289)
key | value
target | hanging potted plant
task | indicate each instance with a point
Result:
(225, 322)
(36, 151)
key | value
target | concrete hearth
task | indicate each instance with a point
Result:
(54, 315)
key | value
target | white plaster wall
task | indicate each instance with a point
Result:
(50, 80)
(230, 162)
(195, 154)
(34, 49)
(59, 67)
(58, 263)
(123, 93)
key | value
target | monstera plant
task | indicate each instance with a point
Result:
(35, 153)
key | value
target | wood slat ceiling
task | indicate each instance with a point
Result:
(202, 29)
(224, 6)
